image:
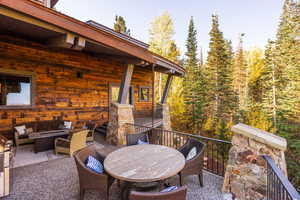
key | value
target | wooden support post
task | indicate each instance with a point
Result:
(153, 94)
(166, 90)
(125, 84)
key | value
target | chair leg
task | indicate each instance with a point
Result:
(82, 194)
(201, 179)
(107, 193)
(180, 179)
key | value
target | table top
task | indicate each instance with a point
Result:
(144, 163)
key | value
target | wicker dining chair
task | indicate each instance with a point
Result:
(132, 139)
(69, 146)
(178, 194)
(193, 166)
(89, 179)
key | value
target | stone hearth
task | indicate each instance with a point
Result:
(246, 173)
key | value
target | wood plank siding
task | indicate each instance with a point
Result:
(60, 92)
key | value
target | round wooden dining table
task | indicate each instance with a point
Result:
(143, 163)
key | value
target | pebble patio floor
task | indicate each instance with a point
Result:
(58, 180)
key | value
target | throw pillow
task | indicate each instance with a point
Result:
(21, 129)
(29, 131)
(192, 153)
(94, 164)
(142, 142)
(67, 124)
(169, 189)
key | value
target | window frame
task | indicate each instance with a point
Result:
(32, 78)
(140, 93)
(131, 91)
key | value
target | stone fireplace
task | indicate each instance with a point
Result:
(246, 173)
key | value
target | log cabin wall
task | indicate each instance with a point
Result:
(59, 92)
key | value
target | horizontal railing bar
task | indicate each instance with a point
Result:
(185, 134)
(282, 178)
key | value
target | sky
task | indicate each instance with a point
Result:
(257, 19)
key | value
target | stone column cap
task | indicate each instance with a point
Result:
(260, 136)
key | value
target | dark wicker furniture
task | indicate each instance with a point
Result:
(44, 140)
(193, 166)
(89, 179)
(132, 139)
(179, 194)
(37, 126)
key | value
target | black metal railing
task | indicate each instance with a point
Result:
(278, 186)
(157, 113)
(215, 154)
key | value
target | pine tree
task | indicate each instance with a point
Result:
(219, 73)
(189, 80)
(194, 84)
(120, 25)
(285, 62)
(240, 75)
(271, 87)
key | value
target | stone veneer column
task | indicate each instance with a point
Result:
(119, 116)
(166, 124)
(246, 174)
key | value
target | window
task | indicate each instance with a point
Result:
(114, 94)
(15, 90)
(144, 94)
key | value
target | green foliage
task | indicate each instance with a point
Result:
(120, 25)
(256, 87)
(220, 94)
(194, 87)
(240, 75)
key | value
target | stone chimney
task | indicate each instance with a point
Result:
(246, 172)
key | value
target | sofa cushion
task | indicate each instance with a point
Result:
(24, 136)
(94, 164)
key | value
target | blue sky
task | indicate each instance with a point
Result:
(258, 19)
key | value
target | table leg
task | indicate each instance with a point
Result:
(125, 189)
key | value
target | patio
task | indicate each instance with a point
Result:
(58, 179)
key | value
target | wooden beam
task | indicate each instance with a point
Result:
(79, 43)
(125, 84)
(166, 90)
(64, 41)
(67, 41)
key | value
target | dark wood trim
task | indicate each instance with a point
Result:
(125, 84)
(140, 93)
(166, 89)
(32, 77)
